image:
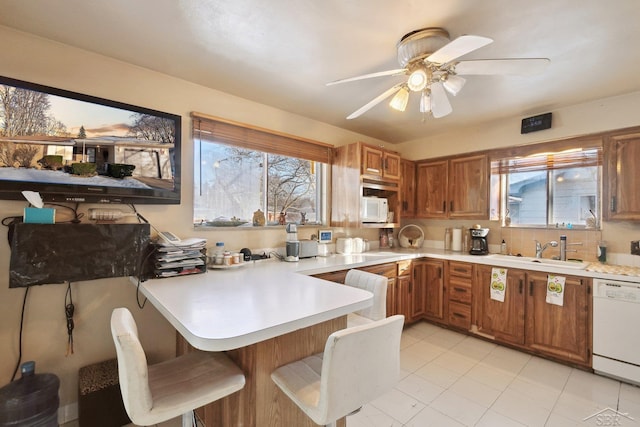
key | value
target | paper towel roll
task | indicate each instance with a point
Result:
(456, 239)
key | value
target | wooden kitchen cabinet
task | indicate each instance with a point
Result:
(333, 276)
(429, 290)
(526, 320)
(431, 189)
(360, 170)
(621, 177)
(503, 321)
(380, 164)
(397, 290)
(560, 331)
(407, 188)
(459, 289)
(455, 187)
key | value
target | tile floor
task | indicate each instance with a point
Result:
(451, 379)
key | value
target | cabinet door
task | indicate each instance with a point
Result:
(403, 297)
(431, 189)
(372, 161)
(407, 188)
(622, 177)
(503, 320)
(392, 297)
(391, 166)
(429, 281)
(560, 331)
(469, 187)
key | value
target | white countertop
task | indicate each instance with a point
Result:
(227, 309)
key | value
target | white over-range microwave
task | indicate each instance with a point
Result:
(374, 209)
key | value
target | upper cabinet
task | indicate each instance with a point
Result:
(380, 164)
(407, 188)
(456, 187)
(621, 177)
(360, 170)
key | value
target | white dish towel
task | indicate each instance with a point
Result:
(555, 289)
(498, 283)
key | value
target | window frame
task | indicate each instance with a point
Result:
(211, 129)
(499, 158)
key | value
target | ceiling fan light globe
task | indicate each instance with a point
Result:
(454, 84)
(425, 102)
(417, 80)
(400, 100)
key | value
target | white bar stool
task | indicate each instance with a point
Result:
(160, 392)
(377, 285)
(359, 364)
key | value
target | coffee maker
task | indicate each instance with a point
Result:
(479, 245)
(292, 245)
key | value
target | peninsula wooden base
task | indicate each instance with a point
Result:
(261, 403)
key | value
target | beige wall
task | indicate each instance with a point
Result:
(596, 116)
(32, 59)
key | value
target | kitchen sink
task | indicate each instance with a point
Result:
(574, 265)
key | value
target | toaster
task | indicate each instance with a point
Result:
(308, 248)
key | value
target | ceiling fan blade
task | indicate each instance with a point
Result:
(375, 101)
(440, 105)
(458, 47)
(519, 66)
(398, 71)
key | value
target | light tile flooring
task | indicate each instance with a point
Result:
(451, 379)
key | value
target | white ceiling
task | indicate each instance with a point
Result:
(282, 52)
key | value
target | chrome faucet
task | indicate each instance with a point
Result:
(540, 248)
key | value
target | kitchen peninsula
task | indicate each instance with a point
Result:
(269, 313)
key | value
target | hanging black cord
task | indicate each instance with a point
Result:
(68, 310)
(24, 303)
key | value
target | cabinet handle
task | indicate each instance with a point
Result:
(521, 285)
(460, 289)
(612, 204)
(531, 288)
(459, 315)
(460, 270)
(439, 273)
(444, 206)
(451, 206)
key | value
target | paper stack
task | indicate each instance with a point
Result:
(185, 257)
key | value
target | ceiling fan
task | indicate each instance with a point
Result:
(429, 58)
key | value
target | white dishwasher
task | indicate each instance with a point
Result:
(616, 329)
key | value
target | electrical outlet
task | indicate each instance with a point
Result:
(635, 247)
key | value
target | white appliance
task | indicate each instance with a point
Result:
(616, 337)
(374, 209)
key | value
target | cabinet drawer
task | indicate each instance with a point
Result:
(404, 268)
(459, 291)
(460, 269)
(387, 270)
(460, 315)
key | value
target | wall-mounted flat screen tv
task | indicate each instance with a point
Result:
(71, 147)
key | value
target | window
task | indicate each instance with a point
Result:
(248, 177)
(559, 189)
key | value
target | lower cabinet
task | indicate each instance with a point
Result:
(561, 331)
(527, 320)
(460, 294)
(502, 320)
(429, 290)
